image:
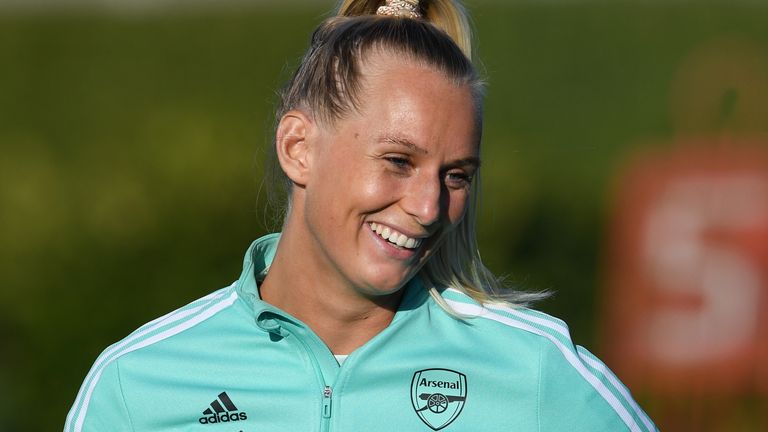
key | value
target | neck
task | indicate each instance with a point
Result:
(301, 284)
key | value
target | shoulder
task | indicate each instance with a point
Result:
(183, 322)
(573, 382)
(510, 319)
(502, 324)
(178, 323)
(102, 384)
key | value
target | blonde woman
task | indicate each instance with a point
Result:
(371, 311)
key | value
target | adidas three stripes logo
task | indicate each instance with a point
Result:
(222, 410)
(224, 398)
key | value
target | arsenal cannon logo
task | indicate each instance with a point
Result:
(438, 396)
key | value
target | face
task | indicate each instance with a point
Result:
(389, 181)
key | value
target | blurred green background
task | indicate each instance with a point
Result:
(132, 148)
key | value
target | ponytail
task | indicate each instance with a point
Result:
(447, 15)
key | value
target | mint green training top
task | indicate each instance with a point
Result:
(231, 362)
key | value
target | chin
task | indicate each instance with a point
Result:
(383, 286)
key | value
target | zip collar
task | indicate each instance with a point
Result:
(256, 264)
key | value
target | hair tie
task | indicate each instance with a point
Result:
(400, 8)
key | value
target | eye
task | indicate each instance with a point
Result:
(458, 179)
(398, 162)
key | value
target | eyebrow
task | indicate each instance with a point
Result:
(469, 161)
(405, 143)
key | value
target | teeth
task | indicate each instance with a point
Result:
(395, 237)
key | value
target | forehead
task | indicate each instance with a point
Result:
(402, 97)
(387, 69)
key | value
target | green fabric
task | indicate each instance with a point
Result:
(232, 347)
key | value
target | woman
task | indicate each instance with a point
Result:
(372, 310)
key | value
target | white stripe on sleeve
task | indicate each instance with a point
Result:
(83, 399)
(572, 357)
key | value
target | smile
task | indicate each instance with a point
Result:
(394, 237)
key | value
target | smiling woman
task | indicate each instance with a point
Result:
(399, 163)
(371, 311)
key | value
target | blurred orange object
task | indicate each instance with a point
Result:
(686, 310)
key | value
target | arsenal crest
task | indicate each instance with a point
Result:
(438, 396)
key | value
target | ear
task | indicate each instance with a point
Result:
(292, 143)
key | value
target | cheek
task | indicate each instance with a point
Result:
(354, 187)
(374, 191)
(457, 207)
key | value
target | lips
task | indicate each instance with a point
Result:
(395, 237)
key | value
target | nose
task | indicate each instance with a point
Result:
(424, 199)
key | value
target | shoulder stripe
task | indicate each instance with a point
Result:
(171, 316)
(549, 323)
(570, 356)
(120, 349)
(147, 328)
(529, 315)
(598, 365)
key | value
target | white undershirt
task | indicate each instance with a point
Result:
(341, 357)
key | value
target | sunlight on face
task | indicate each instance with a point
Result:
(390, 180)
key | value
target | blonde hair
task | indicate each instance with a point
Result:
(447, 15)
(327, 85)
